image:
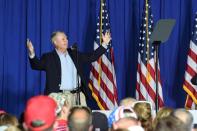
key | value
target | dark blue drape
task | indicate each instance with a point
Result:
(37, 19)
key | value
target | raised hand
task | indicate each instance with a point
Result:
(65, 110)
(107, 37)
(30, 47)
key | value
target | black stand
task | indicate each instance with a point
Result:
(78, 90)
(160, 35)
(157, 43)
(78, 100)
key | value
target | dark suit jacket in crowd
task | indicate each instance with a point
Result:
(50, 63)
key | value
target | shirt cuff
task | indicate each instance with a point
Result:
(105, 45)
(31, 56)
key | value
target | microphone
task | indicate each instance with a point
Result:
(74, 46)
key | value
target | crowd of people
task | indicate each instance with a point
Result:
(47, 113)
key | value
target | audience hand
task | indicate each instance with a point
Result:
(65, 111)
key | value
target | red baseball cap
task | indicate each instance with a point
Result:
(2, 112)
(40, 113)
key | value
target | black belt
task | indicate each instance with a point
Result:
(75, 91)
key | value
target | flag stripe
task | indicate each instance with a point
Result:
(190, 72)
(144, 96)
(138, 93)
(98, 98)
(103, 85)
(189, 103)
(101, 94)
(148, 87)
(107, 71)
(103, 75)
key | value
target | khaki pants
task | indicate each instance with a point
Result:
(67, 97)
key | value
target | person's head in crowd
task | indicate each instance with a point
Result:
(127, 101)
(59, 40)
(185, 116)
(40, 113)
(8, 119)
(99, 121)
(163, 112)
(121, 112)
(80, 119)
(143, 111)
(128, 123)
(170, 123)
(2, 112)
(13, 128)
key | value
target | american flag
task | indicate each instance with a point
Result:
(102, 75)
(191, 70)
(146, 75)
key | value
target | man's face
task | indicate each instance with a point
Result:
(61, 41)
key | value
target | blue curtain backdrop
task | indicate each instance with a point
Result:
(37, 19)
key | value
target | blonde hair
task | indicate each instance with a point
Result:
(143, 111)
(170, 123)
(8, 119)
(163, 112)
(127, 101)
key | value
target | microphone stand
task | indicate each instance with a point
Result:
(78, 101)
(157, 43)
(160, 34)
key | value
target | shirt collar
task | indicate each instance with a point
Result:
(61, 53)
